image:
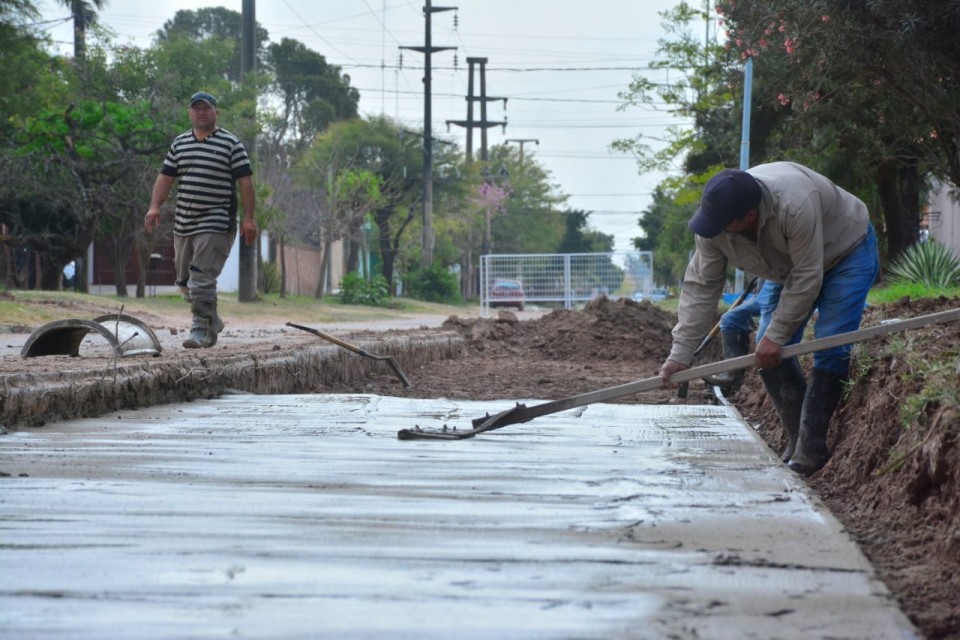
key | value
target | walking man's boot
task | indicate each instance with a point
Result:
(787, 388)
(198, 332)
(822, 397)
(207, 310)
(216, 326)
(735, 344)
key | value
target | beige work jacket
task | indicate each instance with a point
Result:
(806, 225)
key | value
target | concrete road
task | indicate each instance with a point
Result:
(304, 517)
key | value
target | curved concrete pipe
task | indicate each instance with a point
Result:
(127, 335)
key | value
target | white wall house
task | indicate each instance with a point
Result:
(943, 217)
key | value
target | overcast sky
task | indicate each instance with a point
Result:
(560, 63)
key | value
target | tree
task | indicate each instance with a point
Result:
(312, 93)
(84, 13)
(72, 177)
(830, 90)
(578, 238)
(534, 203)
(209, 25)
(381, 147)
(840, 114)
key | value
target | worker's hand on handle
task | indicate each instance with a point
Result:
(669, 368)
(151, 221)
(249, 229)
(768, 354)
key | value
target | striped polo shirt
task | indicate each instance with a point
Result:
(207, 172)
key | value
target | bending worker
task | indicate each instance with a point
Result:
(815, 245)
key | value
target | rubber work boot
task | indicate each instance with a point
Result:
(822, 397)
(207, 309)
(198, 333)
(787, 388)
(735, 344)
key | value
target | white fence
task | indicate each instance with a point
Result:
(564, 279)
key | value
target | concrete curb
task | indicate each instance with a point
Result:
(34, 399)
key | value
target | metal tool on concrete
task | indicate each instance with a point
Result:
(522, 413)
(355, 349)
(685, 386)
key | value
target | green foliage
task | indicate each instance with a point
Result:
(929, 263)
(579, 238)
(313, 93)
(271, 278)
(355, 289)
(434, 284)
(204, 26)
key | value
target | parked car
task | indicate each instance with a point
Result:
(654, 295)
(507, 293)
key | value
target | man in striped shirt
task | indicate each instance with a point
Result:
(209, 163)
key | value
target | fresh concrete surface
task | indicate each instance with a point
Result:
(304, 517)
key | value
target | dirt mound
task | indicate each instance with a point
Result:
(604, 330)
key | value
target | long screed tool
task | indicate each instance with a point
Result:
(685, 386)
(522, 413)
(349, 347)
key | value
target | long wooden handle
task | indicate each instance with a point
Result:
(524, 414)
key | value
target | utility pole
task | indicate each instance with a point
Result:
(483, 124)
(521, 142)
(247, 277)
(427, 50)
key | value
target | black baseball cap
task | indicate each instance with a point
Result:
(203, 96)
(729, 195)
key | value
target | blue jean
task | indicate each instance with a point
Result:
(839, 304)
(739, 319)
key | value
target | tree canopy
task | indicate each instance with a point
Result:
(860, 90)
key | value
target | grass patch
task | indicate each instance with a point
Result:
(914, 291)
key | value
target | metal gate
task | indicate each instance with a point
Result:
(561, 279)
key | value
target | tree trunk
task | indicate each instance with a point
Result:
(353, 254)
(50, 276)
(325, 248)
(283, 268)
(898, 186)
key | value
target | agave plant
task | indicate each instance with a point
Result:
(928, 263)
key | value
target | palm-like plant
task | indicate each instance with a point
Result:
(84, 13)
(928, 263)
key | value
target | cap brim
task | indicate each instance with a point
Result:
(705, 226)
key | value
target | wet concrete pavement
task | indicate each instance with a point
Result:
(304, 517)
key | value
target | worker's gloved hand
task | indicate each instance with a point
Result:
(669, 368)
(768, 354)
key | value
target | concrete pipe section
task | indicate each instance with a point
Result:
(305, 517)
(126, 335)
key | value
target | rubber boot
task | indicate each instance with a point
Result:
(787, 388)
(735, 344)
(822, 397)
(207, 309)
(198, 333)
(216, 326)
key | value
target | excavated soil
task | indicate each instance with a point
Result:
(894, 485)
